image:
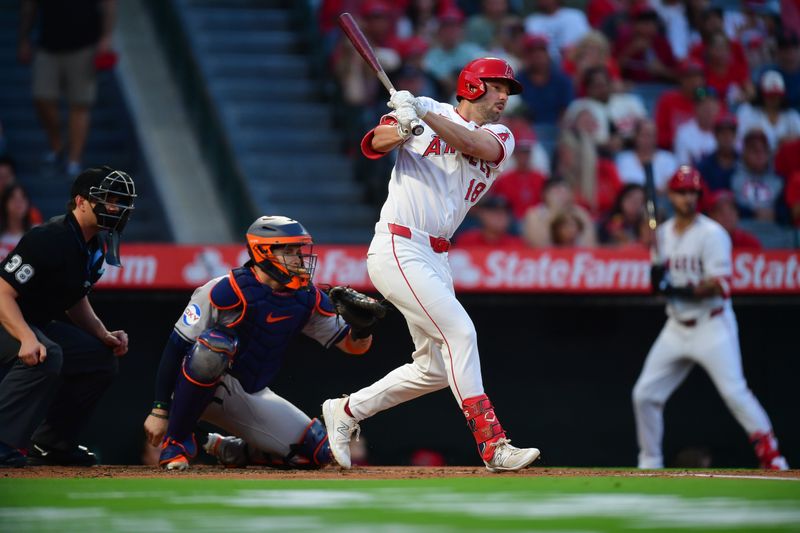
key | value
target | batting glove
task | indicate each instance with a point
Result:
(405, 115)
(399, 99)
(423, 105)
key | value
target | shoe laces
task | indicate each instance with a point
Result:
(502, 449)
(502, 441)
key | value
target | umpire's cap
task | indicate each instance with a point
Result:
(106, 178)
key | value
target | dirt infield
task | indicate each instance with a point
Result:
(366, 472)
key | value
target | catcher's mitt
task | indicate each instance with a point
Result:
(358, 310)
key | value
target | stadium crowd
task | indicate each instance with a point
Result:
(616, 96)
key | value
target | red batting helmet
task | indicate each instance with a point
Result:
(470, 81)
(686, 178)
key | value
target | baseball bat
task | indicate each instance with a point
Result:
(362, 46)
(650, 206)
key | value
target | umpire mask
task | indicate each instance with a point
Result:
(113, 193)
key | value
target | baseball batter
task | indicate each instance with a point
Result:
(437, 178)
(227, 348)
(694, 274)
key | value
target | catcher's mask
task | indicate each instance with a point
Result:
(283, 249)
(113, 193)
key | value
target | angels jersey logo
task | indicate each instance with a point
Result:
(439, 147)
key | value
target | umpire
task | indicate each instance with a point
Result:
(57, 369)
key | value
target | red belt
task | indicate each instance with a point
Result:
(438, 244)
(693, 322)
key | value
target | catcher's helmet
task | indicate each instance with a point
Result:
(686, 178)
(470, 82)
(266, 235)
(107, 187)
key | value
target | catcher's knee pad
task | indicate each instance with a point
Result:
(211, 355)
(313, 449)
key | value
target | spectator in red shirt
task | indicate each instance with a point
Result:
(730, 78)
(793, 197)
(597, 11)
(712, 21)
(495, 222)
(643, 53)
(522, 186)
(722, 208)
(676, 106)
(787, 160)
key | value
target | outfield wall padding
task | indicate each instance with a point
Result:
(559, 370)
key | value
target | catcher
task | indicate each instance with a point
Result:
(228, 346)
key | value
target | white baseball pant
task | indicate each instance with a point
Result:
(264, 419)
(418, 281)
(713, 343)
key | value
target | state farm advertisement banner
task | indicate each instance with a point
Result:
(164, 266)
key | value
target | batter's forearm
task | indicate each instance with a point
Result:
(386, 138)
(477, 143)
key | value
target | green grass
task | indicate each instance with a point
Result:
(502, 503)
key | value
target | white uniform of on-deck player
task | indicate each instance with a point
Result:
(698, 331)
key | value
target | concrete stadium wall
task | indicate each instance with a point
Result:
(559, 371)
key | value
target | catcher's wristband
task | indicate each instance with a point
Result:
(161, 405)
(159, 415)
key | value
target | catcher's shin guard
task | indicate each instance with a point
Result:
(483, 423)
(313, 450)
(200, 374)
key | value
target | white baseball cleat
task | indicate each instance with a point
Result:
(778, 463)
(340, 427)
(508, 458)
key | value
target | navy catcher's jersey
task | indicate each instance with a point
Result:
(52, 268)
(264, 324)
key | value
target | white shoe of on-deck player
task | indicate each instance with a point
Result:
(340, 427)
(508, 458)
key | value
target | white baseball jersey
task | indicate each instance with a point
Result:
(701, 252)
(432, 186)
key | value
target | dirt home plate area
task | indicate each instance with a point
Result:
(376, 472)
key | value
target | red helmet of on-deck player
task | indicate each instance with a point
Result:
(470, 82)
(686, 178)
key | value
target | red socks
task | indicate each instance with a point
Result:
(483, 423)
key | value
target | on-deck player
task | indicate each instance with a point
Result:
(437, 178)
(227, 348)
(693, 273)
